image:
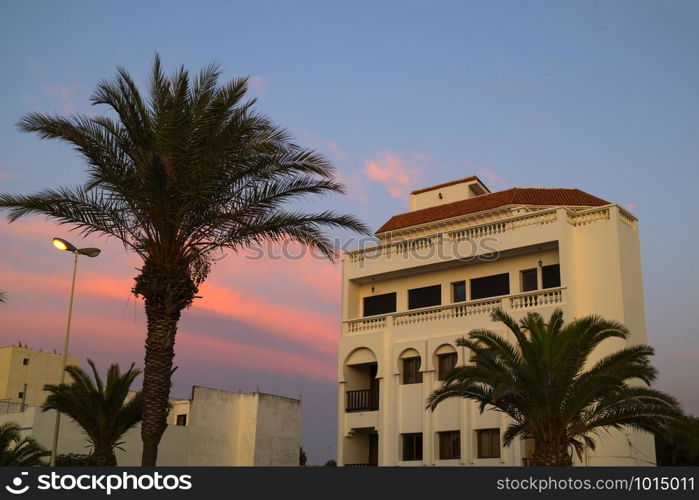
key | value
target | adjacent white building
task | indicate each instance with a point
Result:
(436, 273)
(212, 427)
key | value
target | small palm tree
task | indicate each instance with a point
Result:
(19, 451)
(2, 296)
(542, 383)
(101, 409)
(187, 171)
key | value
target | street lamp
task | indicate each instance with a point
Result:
(62, 244)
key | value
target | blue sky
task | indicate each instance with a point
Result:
(589, 94)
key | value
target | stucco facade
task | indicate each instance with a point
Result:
(23, 373)
(459, 242)
(213, 427)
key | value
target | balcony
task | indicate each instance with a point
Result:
(362, 400)
(510, 303)
(464, 238)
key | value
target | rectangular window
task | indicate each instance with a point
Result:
(488, 443)
(446, 363)
(25, 361)
(380, 304)
(411, 371)
(551, 276)
(20, 395)
(425, 297)
(449, 445)
(412, 447)
(182, 419)
(490, 286)
(529, 280)
(458, 291)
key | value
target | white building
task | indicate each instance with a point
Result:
(437, 272)
(213, 427)
(23, 373)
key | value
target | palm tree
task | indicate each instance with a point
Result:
(544, 382)
(19, 451)
(100, 408)
(3, 295)
(187, 172)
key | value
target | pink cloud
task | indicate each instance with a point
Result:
(111, 339)
(4, 176)
(397, 174)
(492, 179)
(63, 95)
(692, 354)
(332, 146)
(304, 315)
(257, 84)
(630, 206)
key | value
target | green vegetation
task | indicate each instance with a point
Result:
(19, 451)
(542, 383)
(103, 410)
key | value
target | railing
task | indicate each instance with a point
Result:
(446, 312)
(539, 298)
(395, 247)
(626, 217)
(588, 216)
(361, 465)
(501, 224)
(534, 219)
(365, 324)
(362, 400)
(11, 406)
(516, 302)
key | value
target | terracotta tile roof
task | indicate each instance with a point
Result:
(450, 183)
(514, 196)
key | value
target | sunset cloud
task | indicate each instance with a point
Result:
(397, 174)
(113, 339)
(257, 84)
(63, 96)
(282, 330)
(492, 179)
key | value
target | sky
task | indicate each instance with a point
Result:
(598, 95)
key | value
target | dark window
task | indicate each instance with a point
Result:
(25, 361)
(425, 297)
(551, 276)
(449, 445)
(412, 447)
(411, 371)
(529, 280)
(445, 364)
(490, 286)
(182, 419)
(458, 291)
(488, 443)
(20, 395)
(380, 304)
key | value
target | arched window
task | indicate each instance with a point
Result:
(446, 359)
(410, 367)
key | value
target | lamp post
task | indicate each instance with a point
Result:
(62, 244)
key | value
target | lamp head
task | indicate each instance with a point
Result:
(62, 244)
(90, 252)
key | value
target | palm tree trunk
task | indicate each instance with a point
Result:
(167, 290)
(551, 453)
(160, 342)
